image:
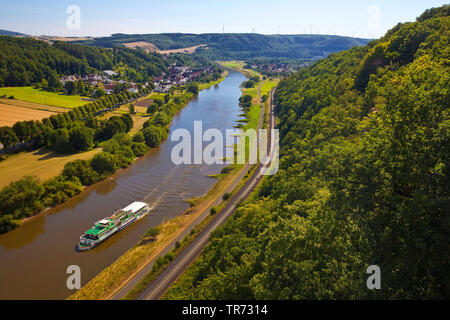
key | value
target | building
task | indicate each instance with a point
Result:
(110, 73)
(133, 89)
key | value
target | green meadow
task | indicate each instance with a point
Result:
(29, 94)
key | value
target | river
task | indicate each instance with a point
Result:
(35, 256)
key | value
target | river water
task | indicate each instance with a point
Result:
(35, 256)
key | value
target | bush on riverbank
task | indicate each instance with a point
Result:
(29, 196)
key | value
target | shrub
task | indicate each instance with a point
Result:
(192, 88)
(82, 170)
(22, 198)
(105, 163)
(139, 148)
(139, 137)
(153, 232)
(226, 170)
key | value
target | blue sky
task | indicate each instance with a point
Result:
(361, 18)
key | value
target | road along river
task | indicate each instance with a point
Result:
(35, 256)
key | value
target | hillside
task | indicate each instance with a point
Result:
(26, 61)
(11, 33)
(364, 180)
(231, 46)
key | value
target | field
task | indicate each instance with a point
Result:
(182, 50)
(41, 163)
(156, 95)
(144, 103)
(31, 105)
(269, 85)
(30, 94)
(237, 65)
(65, 39)
(11, 114)
(146, 46)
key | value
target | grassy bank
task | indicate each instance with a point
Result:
(111, 279)
(239, 66)
(180, 286)
(126, 266)
(253, 116)
(203, 86)
(130, 263)
(163, 262)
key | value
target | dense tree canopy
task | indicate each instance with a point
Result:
(232, 46)
(26, 61)
(363, 180)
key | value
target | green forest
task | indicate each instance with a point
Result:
(25, 61)
(232, 46)
(363, 180)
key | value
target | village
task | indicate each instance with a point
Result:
(275, 69)
(110, 82)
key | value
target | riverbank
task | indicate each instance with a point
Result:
(153, 179)
(239, 66)
(112, 279)
(183, 99)
(221, 213)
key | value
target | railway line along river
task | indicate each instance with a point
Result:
(35, 256)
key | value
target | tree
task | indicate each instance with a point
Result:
(69, 87)
(139, 137)
(113, 126)
(79, 87)
(21, 198)
(152, 108)
(246, 101)
(128, 121)
(153, 135)
(63, 144)
(249, 84)
(21, 130)
(193, 88)
(99, 93)
(82, 138)
(162, 119)
(139, 148)
(82, 170)
(8, 137)
(158, 102)
(132, 109)
(53, 81)
(152, 232)
(120, 87)
(105, 163)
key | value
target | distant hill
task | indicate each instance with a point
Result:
(11, 33)
(26, 61)
(240, 46)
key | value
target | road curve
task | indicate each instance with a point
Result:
(162, 283)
